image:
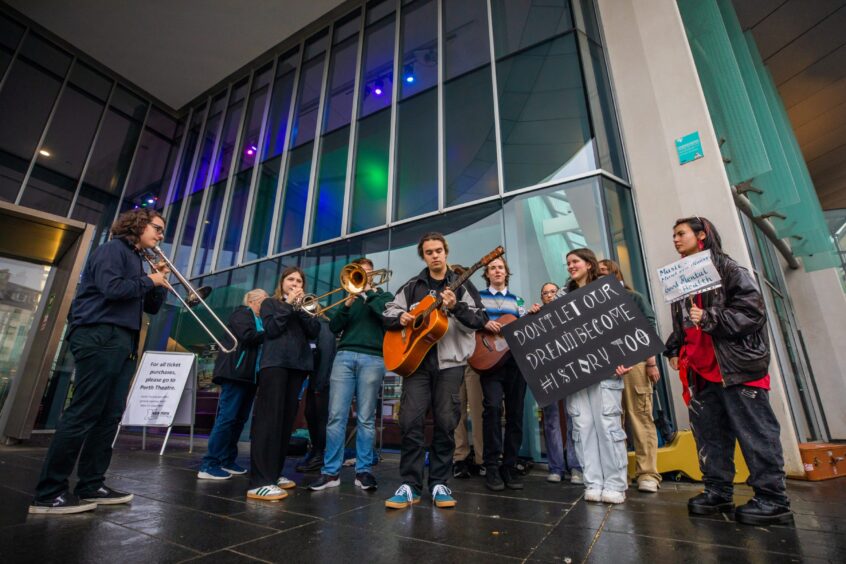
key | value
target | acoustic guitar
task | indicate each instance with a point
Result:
(491, 349)
(405, 348)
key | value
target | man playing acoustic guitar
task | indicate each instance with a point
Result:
(437, 380)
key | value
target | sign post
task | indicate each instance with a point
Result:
(579, 339)
(162, 394)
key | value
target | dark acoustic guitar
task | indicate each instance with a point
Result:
(491, 349)
(405, 348)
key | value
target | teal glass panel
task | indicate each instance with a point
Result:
(544, 119)
(294, 203)
(417, 156)
(231, 242)
(725, 93)
(370, 179)
(258, 242)
(329, 196)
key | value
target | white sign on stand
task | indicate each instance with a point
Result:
(162, 394)
(693, 274)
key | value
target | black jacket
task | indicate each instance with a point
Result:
(287, 333)
(239, 366)
(114, 289)
(736, 320)
(324, 356)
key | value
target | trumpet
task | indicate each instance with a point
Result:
(354, 279)
(196, 296)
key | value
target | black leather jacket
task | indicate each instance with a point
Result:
(736, 320)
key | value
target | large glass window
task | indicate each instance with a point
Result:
(194, 195)
(247, 153)
(416, 190)
(52, 183)
(97, 202)
(148, 182)
(258, 240)
(204, 248)
(295, 197)
(370, 177)
(546, 132)
(469, 131)
(334, 144)
(25, 103)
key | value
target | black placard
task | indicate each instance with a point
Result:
(579, 339)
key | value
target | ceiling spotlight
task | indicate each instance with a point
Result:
(44, 153)
(377, 88)
(408, 71)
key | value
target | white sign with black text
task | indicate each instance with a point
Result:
(693, 274)
(157, 391)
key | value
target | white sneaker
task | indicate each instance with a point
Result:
(553, 477)
(576, 477)
(650, 486)
(609, 496)
(593, 495)
(267, 493)
(285, 483)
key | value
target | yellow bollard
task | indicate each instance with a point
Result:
(680, 456)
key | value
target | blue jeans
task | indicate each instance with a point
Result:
(555, 450)
(361, 375)
(233, 410)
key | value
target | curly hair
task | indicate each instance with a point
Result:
(131, 224)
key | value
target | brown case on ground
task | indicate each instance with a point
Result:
(823, 461)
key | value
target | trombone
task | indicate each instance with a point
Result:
(195, 297)
(354, 279)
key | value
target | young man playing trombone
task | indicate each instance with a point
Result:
(103, 328)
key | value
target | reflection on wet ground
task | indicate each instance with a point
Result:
(175, 518)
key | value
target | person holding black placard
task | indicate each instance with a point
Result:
(596, 411)
(721, 349)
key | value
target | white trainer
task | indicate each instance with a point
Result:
(576, 477)
(609, 496)
(267, 493)
(285, 483)
(553, 477)
(593, 495)
(650, 486)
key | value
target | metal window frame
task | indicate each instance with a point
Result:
(132, 160)
(352, 145)
(318, 139)
(230, 180)
(97, 130)
(179, 157)
(180, 225)
(392, 131)
(282, 177)
(44, 131)
(189, 267)
(248, 211)
(14, 58)
(500, 171)
(441, 125)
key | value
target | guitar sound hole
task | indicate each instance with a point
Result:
(417, 323)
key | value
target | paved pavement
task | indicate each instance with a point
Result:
(176, 518)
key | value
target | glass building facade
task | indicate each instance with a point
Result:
(491, 121)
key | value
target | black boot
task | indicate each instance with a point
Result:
(708, 503)
(762, 512)
(492, 479)
(461, 470)
(511, 478)
(311, 463)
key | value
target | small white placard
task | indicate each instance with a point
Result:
(693, 274)
(159, 383)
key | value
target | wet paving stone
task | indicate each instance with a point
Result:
(176, 517)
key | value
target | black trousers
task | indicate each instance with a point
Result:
(718, 416)
(317, 417)
(104, 356)
(440, 390)
(506, 383)
(273, 419)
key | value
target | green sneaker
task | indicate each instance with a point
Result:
(442, 497)
(402, 498)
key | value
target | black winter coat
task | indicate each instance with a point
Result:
(239, 366)
(736, 319)
(324, 356)
(287, 333)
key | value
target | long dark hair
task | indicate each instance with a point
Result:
(593, 272)
(278, 293)
(131, 224)
(712, 241)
